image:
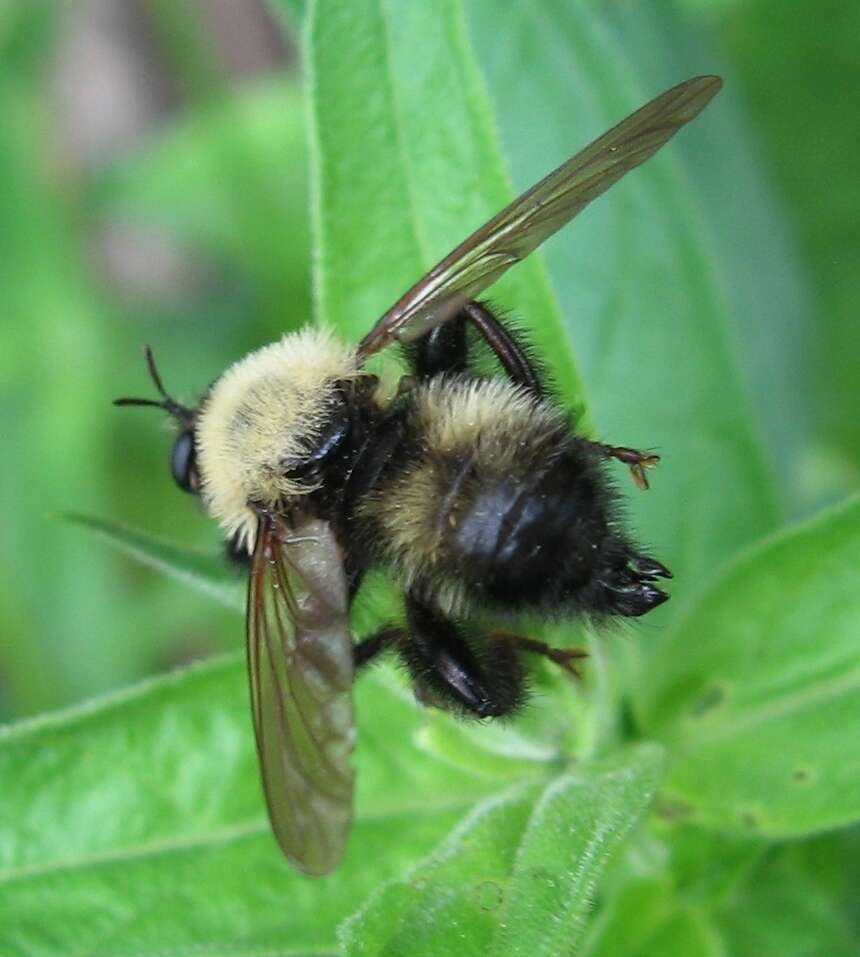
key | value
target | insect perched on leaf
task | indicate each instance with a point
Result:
(473, 490)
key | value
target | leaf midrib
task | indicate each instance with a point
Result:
(252, 828)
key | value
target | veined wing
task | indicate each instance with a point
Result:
(542, 210)
(300, 667)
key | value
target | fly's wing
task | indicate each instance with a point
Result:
(300, 666)
(521, 227)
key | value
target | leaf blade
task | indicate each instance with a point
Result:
(640, 294)
(381, 225)
(152, 796)
(204, 572)
(516, 876)
(757, 687)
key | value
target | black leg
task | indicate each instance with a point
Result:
(508, 352)
(474, 677)
(444, 670)
(442, 349)
(371, 646)
(479, 675)
(445, 349)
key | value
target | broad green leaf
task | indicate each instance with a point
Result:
(801, 105)
(688, 933)
(640, 290)
(707, 866)
(668, 881)
(757, 691)
(451, 902)
(405, 163)
(135, 824)
(832, 862)
(517, 876)
(782, 910)
(543, 735)
(755, 253)
(579, 820)
(630, 917)
(209, 574)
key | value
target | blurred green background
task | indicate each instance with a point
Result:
(153, 190)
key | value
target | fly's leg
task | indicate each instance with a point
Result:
(566, 658)
(445, 349)
(634, 459)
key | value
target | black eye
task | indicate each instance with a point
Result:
(183, 462)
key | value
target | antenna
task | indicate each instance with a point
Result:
(169, 404)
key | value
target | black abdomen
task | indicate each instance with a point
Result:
(534, 538)
(489, 498)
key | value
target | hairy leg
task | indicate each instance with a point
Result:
(444, 349)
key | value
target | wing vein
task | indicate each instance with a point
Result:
(300, 668)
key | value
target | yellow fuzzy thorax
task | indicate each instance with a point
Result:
(260, 418)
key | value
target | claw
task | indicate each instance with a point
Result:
(632, 594)
(635, 460)
(650, 569)
(637, 469)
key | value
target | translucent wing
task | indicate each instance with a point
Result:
(521, 227)
(300, 666)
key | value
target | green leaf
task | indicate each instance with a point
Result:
(429, 169)
(668, 883)
(542, 735)
(208, 574)
(136, 824)
(768, 301)
(757, 690)
(517, 876)
(804, 133)
(782, 911)
(688, 933)
(832, 862)
(405, 163)
(707, 866)
(630, 917)
(640, 290)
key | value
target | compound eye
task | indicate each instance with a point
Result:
(183, 462)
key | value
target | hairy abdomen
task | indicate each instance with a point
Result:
(493, 500)
(534, 539)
